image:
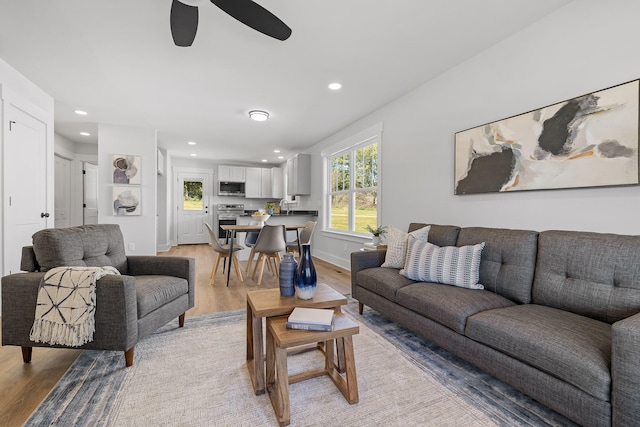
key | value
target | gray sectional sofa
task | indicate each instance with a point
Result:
(557, 319)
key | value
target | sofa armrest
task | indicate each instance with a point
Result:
(116, 311)
(361, 260)
(625, 375)
(182, 267)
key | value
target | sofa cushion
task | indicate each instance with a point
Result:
(95, 245)
(508, 260)
(397, 241)
(573, 348)
(448, 305)
(382, 281)
(153, 292)
(450, 265)
(440, 235)
(592, 274)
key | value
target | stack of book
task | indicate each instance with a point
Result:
(311, 319)
(372, 247)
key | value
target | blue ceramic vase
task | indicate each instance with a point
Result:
(306, 280)
(287, 276)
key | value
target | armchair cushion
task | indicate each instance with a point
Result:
(86, 246)
(156, 291)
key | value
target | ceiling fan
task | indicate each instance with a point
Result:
(184, 19)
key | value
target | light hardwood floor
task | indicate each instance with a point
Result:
(24, 386)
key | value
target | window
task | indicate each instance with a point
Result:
(192, 196)
(352, 186)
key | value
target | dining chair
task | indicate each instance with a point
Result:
(271, 241)
(222, 251)
(250, 241)
(304, 237)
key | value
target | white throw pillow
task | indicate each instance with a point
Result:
(397, 245)
(451, 265)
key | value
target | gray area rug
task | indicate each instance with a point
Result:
(196, 376)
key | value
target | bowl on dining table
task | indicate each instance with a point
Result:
(261, 218)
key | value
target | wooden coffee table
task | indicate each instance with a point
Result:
(280, 340)
(269, 303)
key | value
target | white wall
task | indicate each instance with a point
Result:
(139, 231)
(584, 47)
(163, 181)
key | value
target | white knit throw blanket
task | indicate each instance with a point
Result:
(65, 311)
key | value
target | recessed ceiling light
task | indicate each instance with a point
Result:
(281, 157)
(193, 155)
(276, 151)
(259, 115)
(191, 143)
(264, 160)
(85, 134)
(80, 112)
(335, 86)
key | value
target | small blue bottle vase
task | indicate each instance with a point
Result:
(287, 276)
(306, 280)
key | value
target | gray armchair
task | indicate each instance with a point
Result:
(150, 292)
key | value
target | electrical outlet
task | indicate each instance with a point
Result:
(345, 248)
(132, 246)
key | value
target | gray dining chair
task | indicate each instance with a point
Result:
(271, 241)
(250, 242)
(304, 237)
(222, 251)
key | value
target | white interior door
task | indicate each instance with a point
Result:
(193, 194)
(62, 170)
(25, 183)
(90, 193)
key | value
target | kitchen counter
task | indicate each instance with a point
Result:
(291, 213)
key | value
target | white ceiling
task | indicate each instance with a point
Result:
(116, 60)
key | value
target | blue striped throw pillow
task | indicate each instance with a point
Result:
(451, 265)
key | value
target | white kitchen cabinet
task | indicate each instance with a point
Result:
(265, 188)
(299, 175)
(258, 183)
(277, 183)
(253, 183)
(231, 173)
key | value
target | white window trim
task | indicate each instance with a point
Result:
(349, 144)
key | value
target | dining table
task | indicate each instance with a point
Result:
(232, 230)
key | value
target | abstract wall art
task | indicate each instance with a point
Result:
(587, 141)
(126, 201)
(126, 169)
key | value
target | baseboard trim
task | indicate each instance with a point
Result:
(332, 259)
(163, 248)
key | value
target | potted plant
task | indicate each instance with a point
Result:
(270, 207)
(377, 233)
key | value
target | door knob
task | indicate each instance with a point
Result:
(44, 215)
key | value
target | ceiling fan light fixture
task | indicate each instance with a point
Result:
(258, 115)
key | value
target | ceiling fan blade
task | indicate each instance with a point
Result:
(184, 23)
(256, 17)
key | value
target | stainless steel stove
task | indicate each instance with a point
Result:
(227, 214)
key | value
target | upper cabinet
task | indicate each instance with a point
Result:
(231, 173)
(253, 184)
(277, 183)
(299, 175)
(260, 183)
(263, 183)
